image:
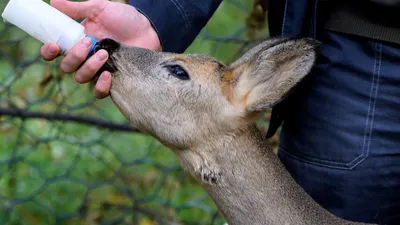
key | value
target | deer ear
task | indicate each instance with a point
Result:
(265, 74)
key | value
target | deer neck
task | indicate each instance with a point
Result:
(249, 184)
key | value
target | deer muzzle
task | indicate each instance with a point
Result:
(110, 46)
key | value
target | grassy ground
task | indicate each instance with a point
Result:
(54, 172)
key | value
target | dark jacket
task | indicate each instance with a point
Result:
(177, 22)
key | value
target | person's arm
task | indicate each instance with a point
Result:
(177, 22)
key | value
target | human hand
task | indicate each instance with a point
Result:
(102, 19)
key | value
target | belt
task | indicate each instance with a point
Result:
(363, 18)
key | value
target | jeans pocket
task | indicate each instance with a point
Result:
(331, 119)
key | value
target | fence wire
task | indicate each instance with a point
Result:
(68, 158)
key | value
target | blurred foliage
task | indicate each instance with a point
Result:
(67, 158)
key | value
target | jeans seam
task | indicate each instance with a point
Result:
(182, 11)
(315, 19)
(319, 162)
(373, 96)
(324, 163)
(284, 18)
(379, 48)
(371, 104)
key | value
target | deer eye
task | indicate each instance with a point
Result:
(178, 72)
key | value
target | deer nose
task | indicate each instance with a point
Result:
(107, 44)
(110, 46)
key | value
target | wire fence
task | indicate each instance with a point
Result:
(68, 158)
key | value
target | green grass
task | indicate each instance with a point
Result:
(70, 173)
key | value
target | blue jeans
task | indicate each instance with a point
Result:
(341, 139)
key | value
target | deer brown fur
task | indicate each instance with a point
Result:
(207, 119)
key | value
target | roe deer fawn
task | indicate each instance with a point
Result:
(205, 112)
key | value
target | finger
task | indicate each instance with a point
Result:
(87, 71)
(103, 85)
(76, 56)
(78, 9)
(49, 51)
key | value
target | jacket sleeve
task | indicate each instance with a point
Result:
(177, 22)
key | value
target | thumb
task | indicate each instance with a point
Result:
(79, 10)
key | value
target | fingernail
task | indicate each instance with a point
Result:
(53, 50)
(105, 77)
(102, 55)
(87, 42)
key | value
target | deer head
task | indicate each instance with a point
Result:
(182, 99)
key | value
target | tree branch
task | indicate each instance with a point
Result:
(126, 127)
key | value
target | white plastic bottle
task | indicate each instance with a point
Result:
(45, 23)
